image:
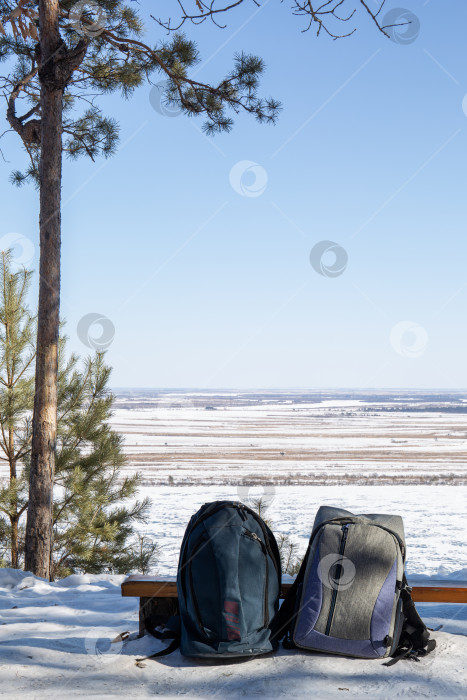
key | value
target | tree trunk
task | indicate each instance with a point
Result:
(39, 521)
(14, 500)
(14, 542)
(14, 503)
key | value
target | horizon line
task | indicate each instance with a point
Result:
(289, 389)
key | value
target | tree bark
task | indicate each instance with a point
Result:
(14, 542)
(12, 461)
(14, 503)
(39, 528)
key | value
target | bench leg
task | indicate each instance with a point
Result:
(155, 611)
(142, 628)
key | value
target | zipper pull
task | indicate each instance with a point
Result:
(241, 510)
(345, 532)
(253, 536)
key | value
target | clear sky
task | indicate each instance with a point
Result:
(197, 250)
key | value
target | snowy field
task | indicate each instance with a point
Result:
(210, 439)
(434, 517)
(56, 642)
(397, 453)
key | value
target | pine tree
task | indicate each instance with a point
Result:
(16, 396)
(288, 549)
(64, 52)
(94, 512)
(64, 55)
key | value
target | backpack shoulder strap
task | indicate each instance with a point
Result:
(174, 644)
(283, 620)
(415, 638)
(163, 627)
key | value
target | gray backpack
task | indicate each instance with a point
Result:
(351, 596)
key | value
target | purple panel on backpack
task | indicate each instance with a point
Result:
(335, 645)
(312, 600)
(382, 612)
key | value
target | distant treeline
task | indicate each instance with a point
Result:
(178, 398)
(459, 408)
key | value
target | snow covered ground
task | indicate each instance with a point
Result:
(56, 642)
(56, 639)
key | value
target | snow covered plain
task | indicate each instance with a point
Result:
(397, 453)
(434, 517)
(207, 439)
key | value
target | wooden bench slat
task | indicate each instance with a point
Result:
(150, 589)
(433, 594)
(430, 592)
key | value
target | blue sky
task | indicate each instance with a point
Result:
(207, 287)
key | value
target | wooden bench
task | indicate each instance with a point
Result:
(159, 595)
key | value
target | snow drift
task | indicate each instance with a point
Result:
(60, 640)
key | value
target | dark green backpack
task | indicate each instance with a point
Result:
(229, 579)
(228, 583)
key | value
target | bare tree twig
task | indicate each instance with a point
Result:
(324, 17)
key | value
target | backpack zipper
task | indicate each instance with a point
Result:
(263, 527)
(267, 552)
(335, 521)
(345, 530)
(198, 544)
(253, 536)
(243, 511)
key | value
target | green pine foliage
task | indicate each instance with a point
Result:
(17, 354)
(288, 549)
(118, 57)
(95, 511)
